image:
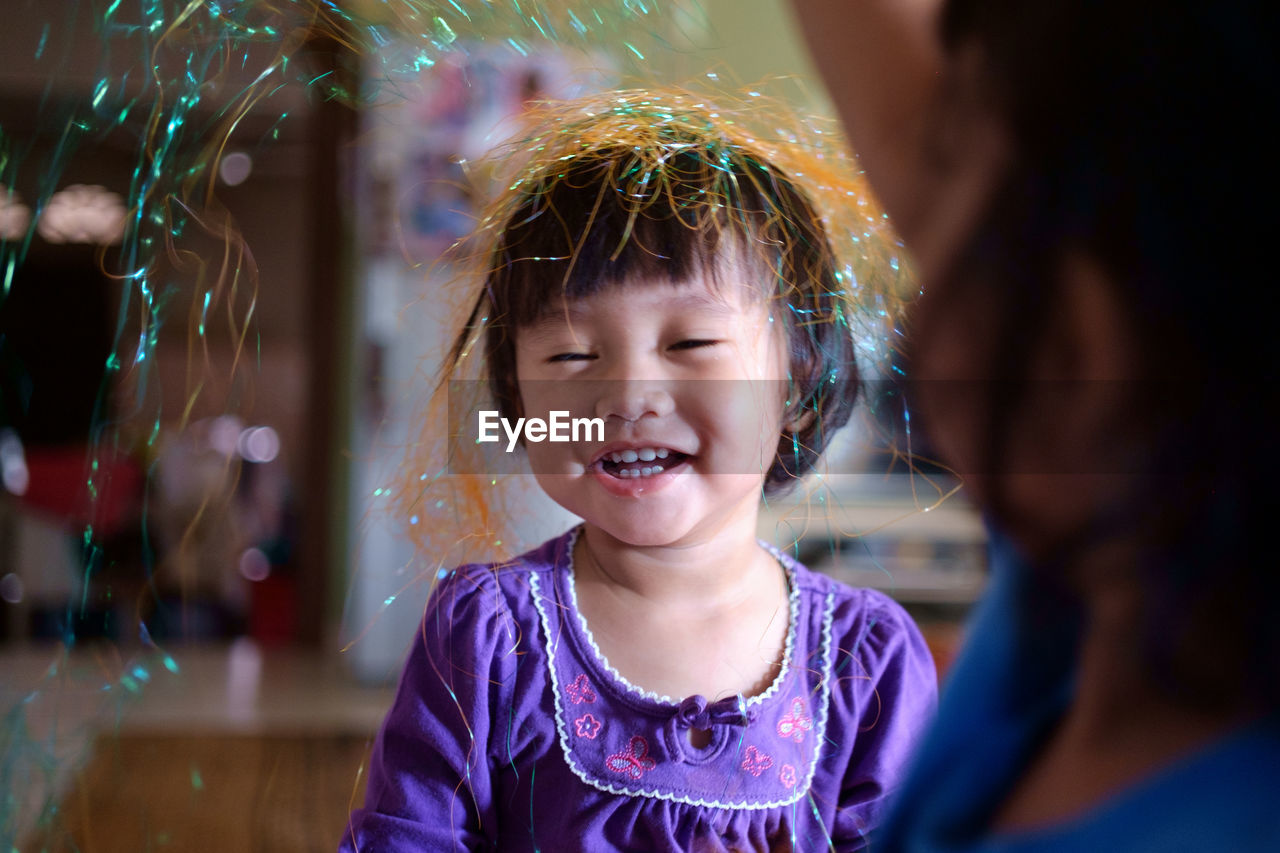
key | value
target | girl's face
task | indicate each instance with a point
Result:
(690, 381)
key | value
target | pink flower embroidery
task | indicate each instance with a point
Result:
(588, 726)
(787, 776)
(795, 723)
(633, 761)
(756, 762)
(580, 691)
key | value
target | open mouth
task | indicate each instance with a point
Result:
(640, 462)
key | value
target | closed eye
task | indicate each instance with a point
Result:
(571, 356)
(694, 343)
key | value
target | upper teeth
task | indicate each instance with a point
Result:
(643, 454)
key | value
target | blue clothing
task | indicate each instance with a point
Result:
(1006, 690)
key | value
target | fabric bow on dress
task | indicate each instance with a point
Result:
(695, 713)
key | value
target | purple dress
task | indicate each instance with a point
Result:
(511, 732)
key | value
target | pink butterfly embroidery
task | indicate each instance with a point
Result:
(633, 761)
(580, 691)
(588, 726)
(756, 761)
(787, 776)
(795, 723)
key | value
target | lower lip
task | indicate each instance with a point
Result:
(634, 487)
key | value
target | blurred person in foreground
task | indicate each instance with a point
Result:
(1092, 353)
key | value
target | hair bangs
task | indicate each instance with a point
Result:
(614, 219)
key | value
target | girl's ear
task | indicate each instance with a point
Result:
(798, 420)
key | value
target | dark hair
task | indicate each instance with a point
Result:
(656, 196)
(1126, 123)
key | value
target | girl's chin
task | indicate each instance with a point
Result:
(627, 539)
(662, 527)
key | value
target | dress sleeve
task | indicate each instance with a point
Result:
(430, 786)
(885, 696)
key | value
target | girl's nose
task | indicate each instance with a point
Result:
(633, 399)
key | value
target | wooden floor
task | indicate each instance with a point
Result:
(257, 794)
(234, 750)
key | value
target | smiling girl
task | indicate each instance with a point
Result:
(656, 678)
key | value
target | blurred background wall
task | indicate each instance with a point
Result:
(342, 212)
